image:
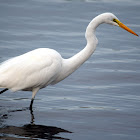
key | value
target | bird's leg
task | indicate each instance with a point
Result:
(3, 90)
(31, 104)
(35, 90)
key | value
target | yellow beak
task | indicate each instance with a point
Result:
(125, 27)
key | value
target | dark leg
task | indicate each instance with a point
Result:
(35, 90)
(31, 104)
(3, 90)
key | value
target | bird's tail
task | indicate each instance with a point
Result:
(3, 90)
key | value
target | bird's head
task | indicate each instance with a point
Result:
(113, 20)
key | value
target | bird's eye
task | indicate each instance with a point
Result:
(115, 20)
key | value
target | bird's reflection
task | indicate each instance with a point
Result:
(32, 117)
(32, 131)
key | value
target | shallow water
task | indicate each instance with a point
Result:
(101, 99)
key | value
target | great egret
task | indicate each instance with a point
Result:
(41, 67)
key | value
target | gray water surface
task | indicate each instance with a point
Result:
(101, 100)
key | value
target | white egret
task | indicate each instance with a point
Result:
(41, 67)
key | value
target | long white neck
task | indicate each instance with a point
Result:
(73, 63)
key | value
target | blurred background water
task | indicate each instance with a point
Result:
(101, 99)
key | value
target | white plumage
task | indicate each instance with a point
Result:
(37, 68)
(41, 67)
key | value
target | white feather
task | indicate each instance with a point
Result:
(37, 68)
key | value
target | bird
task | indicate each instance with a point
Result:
(42, 67)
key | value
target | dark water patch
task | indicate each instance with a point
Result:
(32, 131)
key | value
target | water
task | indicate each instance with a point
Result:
(101, 99)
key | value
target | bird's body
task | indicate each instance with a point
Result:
(37, 68)
(41, 67)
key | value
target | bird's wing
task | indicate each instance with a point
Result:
(33, 69)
